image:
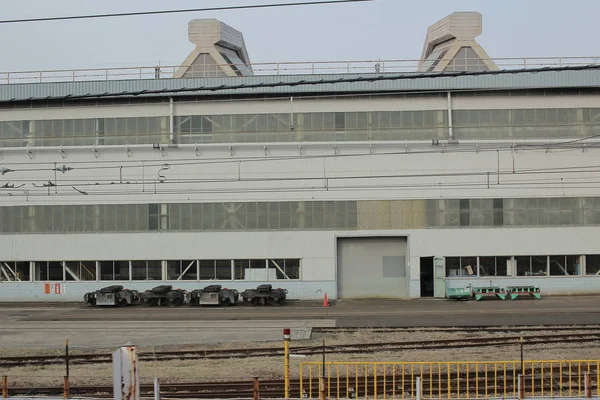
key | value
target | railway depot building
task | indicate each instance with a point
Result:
(366, 180)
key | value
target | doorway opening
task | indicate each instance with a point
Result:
(426, 276)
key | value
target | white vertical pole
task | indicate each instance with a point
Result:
(450, 130)
(156, 389)
(171, 121)
(418, 394)
(126, 382)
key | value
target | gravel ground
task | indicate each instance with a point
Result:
(272, 367)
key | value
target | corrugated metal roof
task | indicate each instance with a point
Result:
(570, 77)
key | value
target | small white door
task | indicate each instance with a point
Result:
(439, 277)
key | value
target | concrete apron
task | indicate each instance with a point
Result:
(101, 334)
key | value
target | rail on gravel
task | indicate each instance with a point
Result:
(356, 348)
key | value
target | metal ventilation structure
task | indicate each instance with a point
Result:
(220, 51)
(450, 45)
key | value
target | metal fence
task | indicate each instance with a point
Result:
(280, 68)
(436, 380)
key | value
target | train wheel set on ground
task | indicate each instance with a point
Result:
(165, 295)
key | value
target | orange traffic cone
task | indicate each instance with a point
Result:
(325, 301)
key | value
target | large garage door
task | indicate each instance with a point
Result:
(371, 267)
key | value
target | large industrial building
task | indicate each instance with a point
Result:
(356, 182)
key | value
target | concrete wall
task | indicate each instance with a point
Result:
(393, 171)
(316, 249)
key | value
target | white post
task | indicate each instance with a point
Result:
(156, 389)
(171, 121)
(450, 127)
(418, 395)
(126, 382)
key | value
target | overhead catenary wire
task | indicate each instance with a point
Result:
(524, 184)
(97, 164)
(181, 11)
(102, 181)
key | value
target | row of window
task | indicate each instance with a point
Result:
(285, 127)
(148, 270)
(554, 211)
(560, 265)
(302, 215)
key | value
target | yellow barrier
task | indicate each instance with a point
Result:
(451, 380)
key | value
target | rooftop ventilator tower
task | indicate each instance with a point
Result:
(450, 45)
(220, 51)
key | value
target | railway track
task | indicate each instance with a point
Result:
(358, 348)
(358, 387)
(467, 329)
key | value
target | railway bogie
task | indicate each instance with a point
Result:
(114, 295)
(264, 295)
(214, 295)
(163, 295)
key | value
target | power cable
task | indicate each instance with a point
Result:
(354, 177)
(179, 11)
(225, 160)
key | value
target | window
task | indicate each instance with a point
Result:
(464, 212)
(340, 121)
(153, 216)
(257, 270)
(223, 269)
(539, 266)
(532, 265)
(565, 265)
(286, 269)
(523, 266)
(207, 269)
(498, 212)
(146, 270)
(461, 266)
(215, 269)
(186, 270)
(495, 266)
(114, 270)
(239, 268)
(592, 265)
(48, 271)
(80, 270)
(14, 271)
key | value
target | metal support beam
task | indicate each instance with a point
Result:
(70, 272)
(8, 278)
(186, 270)
(12, 271)
(280, 270)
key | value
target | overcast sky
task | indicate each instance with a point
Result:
(382, 29)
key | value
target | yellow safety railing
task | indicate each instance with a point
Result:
(436, 380)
